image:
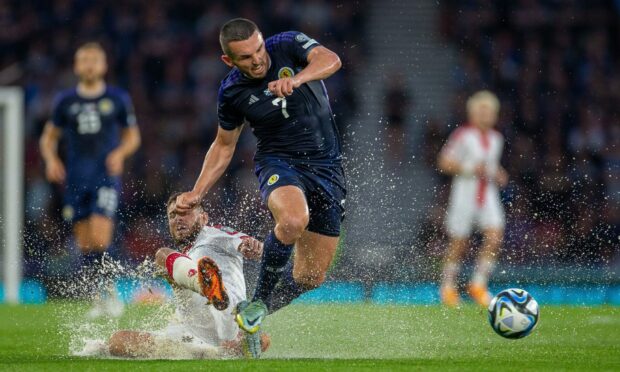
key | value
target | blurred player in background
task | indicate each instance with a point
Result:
(275, 85)
(206, 272)
(98, 124)
(472, 157)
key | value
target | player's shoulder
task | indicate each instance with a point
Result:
(222, 231)
(461, 132)
(282, 37)
(114, 90)
(232, 79)
(497, 134)
(117, 92)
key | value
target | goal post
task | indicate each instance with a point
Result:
(12, 187)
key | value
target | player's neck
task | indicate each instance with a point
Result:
(90, 89)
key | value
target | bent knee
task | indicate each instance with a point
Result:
(289, 228)
(117, 343)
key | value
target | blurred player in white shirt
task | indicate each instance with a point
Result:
(472, 156)
(206, 273)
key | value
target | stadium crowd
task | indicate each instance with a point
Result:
(555, 66)
(166, 54)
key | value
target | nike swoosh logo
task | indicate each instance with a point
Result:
(253, 321)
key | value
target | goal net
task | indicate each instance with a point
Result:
(11, 190)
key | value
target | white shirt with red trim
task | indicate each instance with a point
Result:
(470, 146)
(213, 326)
(474, 201)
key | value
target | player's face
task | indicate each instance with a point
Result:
(90, 64)
(249, 56)
(185, 225)
(483, 115)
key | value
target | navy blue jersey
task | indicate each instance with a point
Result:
(91, 128)
(299, 128)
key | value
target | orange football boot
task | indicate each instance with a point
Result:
(210, 279)
(480, 294)
(449, 296)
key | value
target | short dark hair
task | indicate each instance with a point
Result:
(237, 29)
(173, 197)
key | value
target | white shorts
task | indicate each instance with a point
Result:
(461, 218)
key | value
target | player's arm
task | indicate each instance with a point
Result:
(48, 145)
(215, 163)
(322, 63)
(129, 144)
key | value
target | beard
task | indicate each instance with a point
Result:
(188, 237)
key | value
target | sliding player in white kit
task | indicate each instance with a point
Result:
(206, 273)
(472, 156)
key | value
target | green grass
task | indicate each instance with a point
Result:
(344, 337)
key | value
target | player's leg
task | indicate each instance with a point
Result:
(290, 211)
(170, 344)
(100, 232)
(450, 271)
(131, 344)
(487, 258)
(459, 223)
(313, 257)
(492, 222)
(203, 277)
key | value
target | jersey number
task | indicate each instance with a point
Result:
(89, 122)
(276, 103)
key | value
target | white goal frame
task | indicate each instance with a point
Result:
(12, 110)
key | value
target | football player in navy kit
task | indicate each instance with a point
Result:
(99, 127)
(275, 85)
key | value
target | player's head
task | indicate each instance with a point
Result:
(90, 62)
(483, 109)
(244, 47)
(185, 225)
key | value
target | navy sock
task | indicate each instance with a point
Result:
(286, 291)
(275, 256)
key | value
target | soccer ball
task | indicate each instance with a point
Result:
(513, 313)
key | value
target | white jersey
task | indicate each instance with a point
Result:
(474, 200)
(194, 315)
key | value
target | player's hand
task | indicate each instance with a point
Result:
(501, 177)
(115, 163)
(188, 200)
(251, 248)
(55, 171)
(283, 87)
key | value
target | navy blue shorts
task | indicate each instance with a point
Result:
(323, 186)
(83, 199)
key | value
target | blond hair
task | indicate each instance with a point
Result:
(90, 45)
(483, 96)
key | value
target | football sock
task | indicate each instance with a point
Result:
(275, 256)
(286, 291)
(183, 270)
(449, 274)
(482, 272)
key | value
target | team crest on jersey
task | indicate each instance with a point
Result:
(301, 37)
(106, 106)
(267, 92)
(285, 72)
(273, 179)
